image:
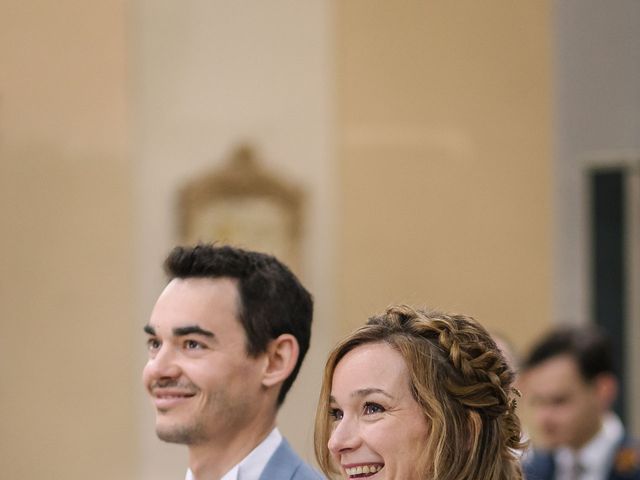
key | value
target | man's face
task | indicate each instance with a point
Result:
(202, 382)
(566, 408)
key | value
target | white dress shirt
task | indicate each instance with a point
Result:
(595, 459)
(251, 466)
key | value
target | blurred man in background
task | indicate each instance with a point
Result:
(226, 340)
(569, 381)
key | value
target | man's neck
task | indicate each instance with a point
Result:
(588, 437)
(211, 460)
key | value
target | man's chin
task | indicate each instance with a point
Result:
(551, 443)
(184, 434)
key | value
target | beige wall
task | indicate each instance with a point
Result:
(205, 76)
(444, 153)
(438, 192)
(65, 293)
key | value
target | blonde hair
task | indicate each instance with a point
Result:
(463, 384)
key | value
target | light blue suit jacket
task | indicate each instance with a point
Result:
(284, 464)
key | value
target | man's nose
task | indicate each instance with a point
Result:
(543, 414)
(345, 437)
(163, 365)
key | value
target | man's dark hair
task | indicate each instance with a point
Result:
(272, 300)
(587, 345)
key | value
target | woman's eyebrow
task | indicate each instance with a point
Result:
(363, 392)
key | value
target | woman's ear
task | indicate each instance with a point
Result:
(282, 356)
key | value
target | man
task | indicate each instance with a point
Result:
(568, 379)
(226, 340)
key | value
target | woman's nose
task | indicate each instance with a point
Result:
(345, 437)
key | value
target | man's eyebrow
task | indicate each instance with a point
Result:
(148, 329)
(190, 330)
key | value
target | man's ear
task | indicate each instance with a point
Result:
(282, 355)
(606, 386)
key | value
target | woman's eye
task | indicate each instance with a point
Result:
(372, 408)
(335, 414)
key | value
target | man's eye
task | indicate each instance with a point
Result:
(193, 345)
(558, 402)
(335, 414)
(372, 408)
(153, 344)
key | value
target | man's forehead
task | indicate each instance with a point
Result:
(565, 363)
(200, 291)
(560, 372)
(210, 303)
(202, 285)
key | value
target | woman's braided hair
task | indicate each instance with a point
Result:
(462, 382)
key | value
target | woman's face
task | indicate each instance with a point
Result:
(379, 429)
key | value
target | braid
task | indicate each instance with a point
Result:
(473, 392)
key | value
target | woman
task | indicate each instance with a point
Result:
(416, 394)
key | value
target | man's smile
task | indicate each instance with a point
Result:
(166, 398)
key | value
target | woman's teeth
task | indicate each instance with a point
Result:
(363, 470)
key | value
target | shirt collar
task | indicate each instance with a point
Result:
(596, 456)
(251, 466)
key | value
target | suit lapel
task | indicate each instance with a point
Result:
(282, 464)
(626, 462)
